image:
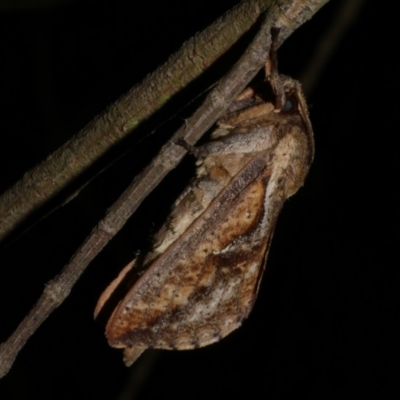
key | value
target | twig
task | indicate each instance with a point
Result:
(346, 16)
(281, 15)
(63, 166)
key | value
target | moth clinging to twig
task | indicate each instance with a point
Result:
(204, 269)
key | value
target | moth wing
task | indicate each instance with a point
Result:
(111, 287)
(206, 282)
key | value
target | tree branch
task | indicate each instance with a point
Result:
(121, 118)
(284, 14)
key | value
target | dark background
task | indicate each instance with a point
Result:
(325, 324)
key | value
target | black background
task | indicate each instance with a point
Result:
(325, 324)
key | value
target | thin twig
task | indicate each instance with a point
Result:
(346, 16)
(282, 16)
(120, 119)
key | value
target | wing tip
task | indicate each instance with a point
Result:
(131, 354)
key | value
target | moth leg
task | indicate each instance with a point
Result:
(188, 147)
(247, 98)
(271, 71)
(201, 151)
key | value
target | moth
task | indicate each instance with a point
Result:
(200, 279)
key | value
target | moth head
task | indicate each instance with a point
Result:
(290, 105)
(292, 94)
(294, 102)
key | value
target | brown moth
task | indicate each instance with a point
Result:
(204, 269)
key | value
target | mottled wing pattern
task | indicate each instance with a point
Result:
(202, 287)
(205, 284)
(205, 268)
